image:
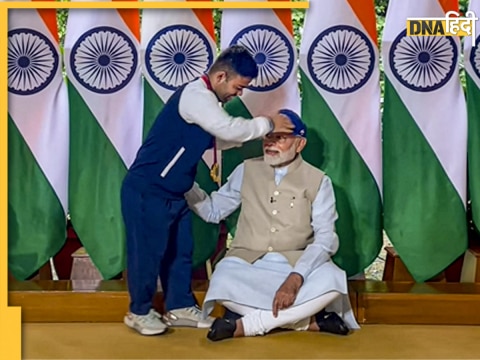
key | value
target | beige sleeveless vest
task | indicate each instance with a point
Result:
(275, 218)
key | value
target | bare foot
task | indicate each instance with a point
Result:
(313, 325)
(239, 330)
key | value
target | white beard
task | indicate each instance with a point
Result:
(280, 158)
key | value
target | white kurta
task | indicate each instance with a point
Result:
(255, 284)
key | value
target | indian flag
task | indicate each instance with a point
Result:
(268, 35)
(424, 141)
(341, 106)
(106, 123)
(37, 141)
(472, 67)
(178, 46)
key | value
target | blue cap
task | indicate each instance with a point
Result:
(300, 128)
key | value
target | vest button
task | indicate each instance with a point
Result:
(276, 193)
(274, 212)
(270, 248)
(273, 229)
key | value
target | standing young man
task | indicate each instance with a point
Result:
(157, 219)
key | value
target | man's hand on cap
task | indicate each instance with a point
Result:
(282, 124)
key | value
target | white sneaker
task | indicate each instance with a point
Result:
(150, 324)
(189, 317)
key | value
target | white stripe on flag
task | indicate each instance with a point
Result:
(446, 119)
(42, 117)
(120, 114)
(286, 95)
(156, 20)
(475, 7)
(361, 118)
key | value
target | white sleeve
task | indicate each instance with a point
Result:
(219, 204)
(200, 106)
(225, 145)
(325, 243)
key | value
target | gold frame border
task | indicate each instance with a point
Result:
(10, 317)
(155, 5)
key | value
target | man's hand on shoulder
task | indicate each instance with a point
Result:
(287, 293)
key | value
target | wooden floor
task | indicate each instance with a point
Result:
(374, 302)
(116, 341)
(399, 320)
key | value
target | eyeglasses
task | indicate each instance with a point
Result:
(279, 138)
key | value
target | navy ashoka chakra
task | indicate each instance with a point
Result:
(104, 60)
(32, 61)
(341, 59)
(273, 53)
(423, 63)
(475, 57)
(176, 55)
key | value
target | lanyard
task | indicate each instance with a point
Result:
(207, 82)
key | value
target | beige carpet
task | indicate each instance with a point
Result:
(115, 341)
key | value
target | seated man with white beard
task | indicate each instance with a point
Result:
(278, 272)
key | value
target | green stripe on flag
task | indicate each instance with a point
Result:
(358, 202)
(36, 220)
(152, 105)
(424, 215)
(473, 99)
(95, 178)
